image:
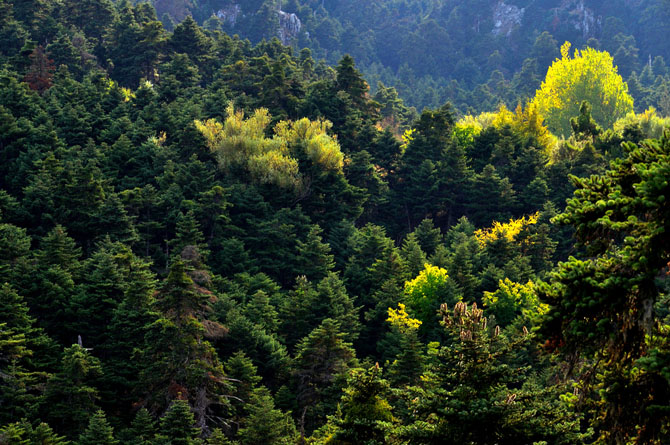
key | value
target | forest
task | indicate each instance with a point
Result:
(213, 232)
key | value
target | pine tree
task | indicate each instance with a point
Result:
(411, 252)
(21, 345)
(41, 71)
(42, 434)
(188, 38)
(218, 438)
(176, 357)
(70, 397)
(177, 426)
(98, 432)
(428, 236)
(351, 82)
(474, 390)
(364, 415)
(314, 259)
(264, 423)
(142, 429)
(601, 303)
(322, 357)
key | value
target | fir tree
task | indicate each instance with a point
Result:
(264, 423)
(98, 432)
(177, 426)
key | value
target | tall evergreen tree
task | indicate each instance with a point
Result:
(98, 432)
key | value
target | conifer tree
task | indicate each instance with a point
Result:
(322, 357)
(364, 415)
(98, 432)
(428, 236)
(411, 252)
(71, 396)
(218, 438)
(21, 343)
(142, 429)
(264, 423)
(601, 305)
(314, 259)
(177, 426)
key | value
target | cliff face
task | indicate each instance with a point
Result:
(289, 23)
(581, 17)
(289, 27)
(230, 14)
(575, 13)
(506, 18)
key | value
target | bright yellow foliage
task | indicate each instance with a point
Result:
(400, 319)
(590, 75)
(525, 121)
(508, 231)
(428, 290)
(240, 142)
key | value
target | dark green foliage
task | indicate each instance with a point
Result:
(473, 391)
(98, 432)
(142, 429)
(364, 415)
(599, 303)
(143, 286)
(71, 397)
(177, 426)
(322, 358)
(264, 423)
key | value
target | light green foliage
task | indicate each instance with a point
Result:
(526, 121)
(23, 433)
(321, 148)
(514, 303)
(240, 142)
(589, 75)
(650, 123)
(427, 291)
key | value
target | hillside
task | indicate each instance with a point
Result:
(205, 240)
(475, 55)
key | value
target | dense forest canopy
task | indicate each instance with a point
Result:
(209, 235)
(475, 54)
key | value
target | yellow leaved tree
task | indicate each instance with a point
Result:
(508, 231)
(241, 143)
(589, 75)
(427, 291)
(525, 121)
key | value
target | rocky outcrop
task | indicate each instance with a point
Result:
(578, 15)
(289, 23)
(289, 27)
(229, 14)
(506, 18)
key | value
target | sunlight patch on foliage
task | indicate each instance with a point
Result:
(400, 319)
(241, 142)
(589, 75)
(526, 121)
(508, 231)
(651, 124)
